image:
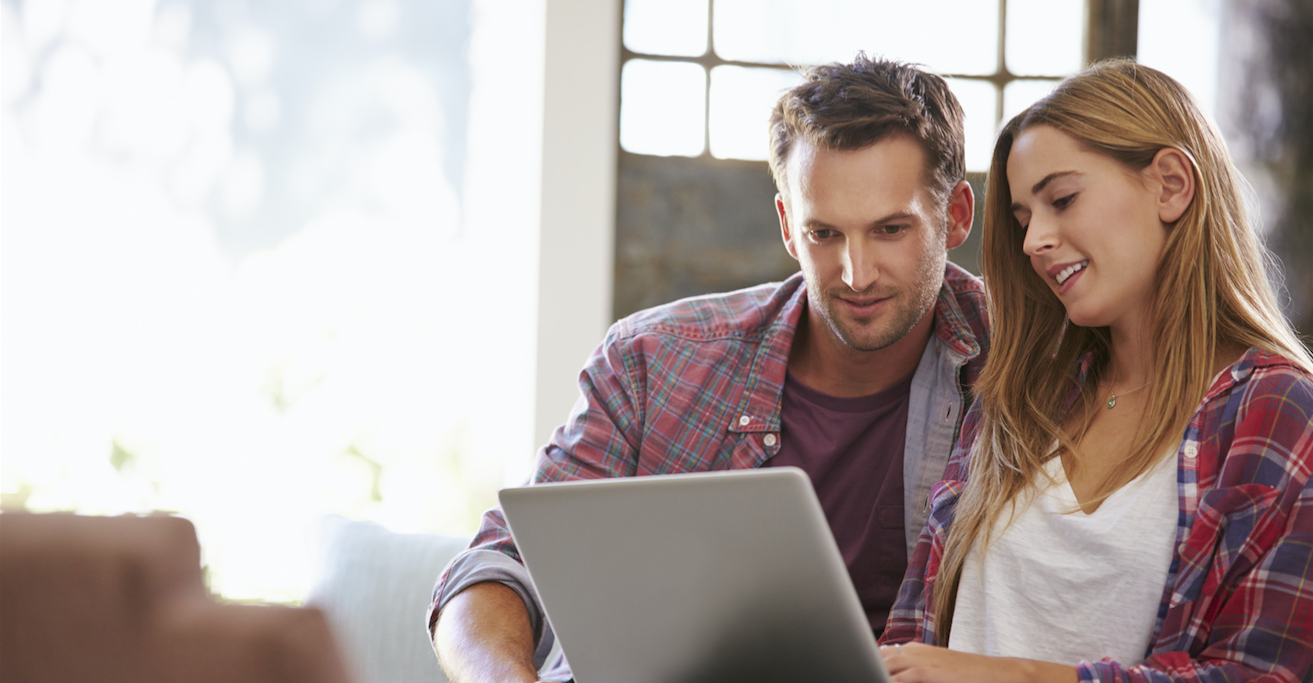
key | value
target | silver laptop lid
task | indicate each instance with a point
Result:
(688, 578)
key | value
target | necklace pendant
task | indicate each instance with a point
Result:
(1112, 401)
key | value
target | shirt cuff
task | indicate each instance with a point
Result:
(480, 566)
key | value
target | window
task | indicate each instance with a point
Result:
(242, 245)
(699, 77)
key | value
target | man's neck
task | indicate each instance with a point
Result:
(820, 360)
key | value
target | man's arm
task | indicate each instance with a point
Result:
(483, 635)
(483, 639)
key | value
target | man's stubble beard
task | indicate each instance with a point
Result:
(909, 308)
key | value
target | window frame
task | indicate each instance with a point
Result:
(1111, 27)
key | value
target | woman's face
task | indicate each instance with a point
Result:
(1092, 227)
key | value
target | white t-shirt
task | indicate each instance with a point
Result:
(1066, 587)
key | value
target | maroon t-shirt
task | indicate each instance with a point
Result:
(852, 448)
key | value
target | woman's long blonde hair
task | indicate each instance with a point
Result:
(1211, 291)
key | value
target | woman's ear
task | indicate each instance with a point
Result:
(1173, 175)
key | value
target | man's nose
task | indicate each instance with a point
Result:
(859, 268)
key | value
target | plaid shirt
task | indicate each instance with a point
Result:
(1238, 604)
(696, 386)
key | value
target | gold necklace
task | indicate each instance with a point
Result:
(1112, 398)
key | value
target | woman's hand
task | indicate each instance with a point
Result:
(919, 663)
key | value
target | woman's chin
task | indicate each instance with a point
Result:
(1085, 318)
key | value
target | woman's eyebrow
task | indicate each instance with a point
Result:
(1050, 178)
(1016, 206)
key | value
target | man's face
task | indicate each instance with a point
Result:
(870, 237)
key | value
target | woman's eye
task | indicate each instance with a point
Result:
(1063, 202)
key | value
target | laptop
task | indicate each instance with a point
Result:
(693, 578)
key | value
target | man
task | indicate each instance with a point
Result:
(856, 370)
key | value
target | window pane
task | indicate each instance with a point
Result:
(950, 36)
(979, 100)
(1022, 93)
(1045, 37)
(741, 103)
(666, 27)
(1181, 39)
(662, 107)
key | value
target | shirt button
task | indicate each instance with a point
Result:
(743, 421)
(1191, 451)
(769, 439)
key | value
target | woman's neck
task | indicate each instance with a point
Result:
(1130, 362)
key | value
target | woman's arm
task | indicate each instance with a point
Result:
(913, 609)
(918, 663)
(1242, 607)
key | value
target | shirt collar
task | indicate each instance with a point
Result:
(762, 397)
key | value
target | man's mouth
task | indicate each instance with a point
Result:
(864, 305)
(1070, 270)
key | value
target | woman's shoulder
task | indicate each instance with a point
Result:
(1271, 379)
(1263, 417)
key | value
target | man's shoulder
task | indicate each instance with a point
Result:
(964, 317)
(967, 289)
(962, 282)
(751, 312)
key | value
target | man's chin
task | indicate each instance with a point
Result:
(870, 334)
(869, 339)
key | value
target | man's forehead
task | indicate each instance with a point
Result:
(895, 163)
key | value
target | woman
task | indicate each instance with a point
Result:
(1130, 499)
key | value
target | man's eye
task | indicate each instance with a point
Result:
(892, 229)
(822, 234)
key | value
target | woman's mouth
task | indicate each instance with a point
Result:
(1070, 270)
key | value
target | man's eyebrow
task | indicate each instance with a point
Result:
(896, 216)
(1037, 187)
(817, 224)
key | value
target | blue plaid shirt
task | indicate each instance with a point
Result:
(1238, 603)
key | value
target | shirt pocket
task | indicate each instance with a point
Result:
(1232, 529)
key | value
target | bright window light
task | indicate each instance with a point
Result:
(666, 27)
(741, 103)
(1165, 26)
(1045, 37)
(950, 36)
(979, 100)
(1022, 93)
(232, 261)
(663, 108)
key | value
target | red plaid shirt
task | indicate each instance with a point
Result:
(696, 385)
(1238, 604)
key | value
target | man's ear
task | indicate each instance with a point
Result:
(1172, 173)
(785, 232)
(961, 211)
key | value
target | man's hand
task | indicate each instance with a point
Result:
(483, 635)
(919, 663)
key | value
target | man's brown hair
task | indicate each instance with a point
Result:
(852, 106)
